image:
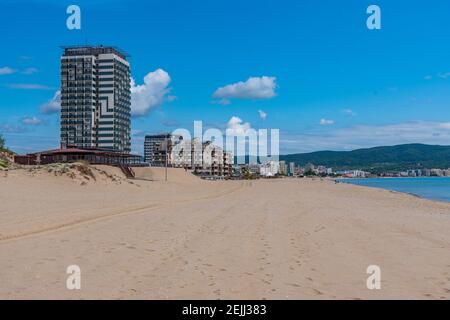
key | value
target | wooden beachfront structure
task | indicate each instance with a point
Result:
(72, 154)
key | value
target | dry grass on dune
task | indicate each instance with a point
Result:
(78, 172)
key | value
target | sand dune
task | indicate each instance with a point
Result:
(194, 239)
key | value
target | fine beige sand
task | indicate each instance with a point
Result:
(193, 239)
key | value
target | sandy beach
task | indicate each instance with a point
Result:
(193, 239)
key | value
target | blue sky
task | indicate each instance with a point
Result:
(330, 83)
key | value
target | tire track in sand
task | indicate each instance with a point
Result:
(91, 220)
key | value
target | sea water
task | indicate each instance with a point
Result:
(433, 188)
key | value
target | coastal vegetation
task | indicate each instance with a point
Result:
(2, 142)
(6, 156)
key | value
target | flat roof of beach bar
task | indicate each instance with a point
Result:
(72, 154)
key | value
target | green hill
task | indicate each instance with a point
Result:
(378, 159)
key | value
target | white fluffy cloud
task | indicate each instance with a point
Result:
(326, 122)
(6, 70)
(144, 97)
(31, 121)
(262, 115)
(254, 88)
(349, 112)
(444, 75)
(7, 128)
(9, 70)
(150, 94)
(223, 102)
(236, 126)
(30, 71)
(366, 136)
(53, 105)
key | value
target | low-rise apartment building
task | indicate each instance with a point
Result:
(204, 159)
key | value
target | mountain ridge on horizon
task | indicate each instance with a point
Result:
(378, 159)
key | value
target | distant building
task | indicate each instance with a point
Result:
(437, 172)
(254, 168)
(228, 162)
(95, 98)
(214, 161)
(360, 174)
(186, 154)
(321, 170)
(203, 158)
(270, 169)
(283, 169)
(292, 169)
(414, 173)
(158, 149)
(309, 168)
(353, 173)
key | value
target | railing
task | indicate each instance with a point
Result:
(127, 171)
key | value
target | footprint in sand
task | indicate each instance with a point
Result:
(318, 292)
(294, 285)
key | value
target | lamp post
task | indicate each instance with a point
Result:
(165, 148)
(167, 154)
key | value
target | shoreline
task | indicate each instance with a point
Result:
(348, 181)
(423, 177)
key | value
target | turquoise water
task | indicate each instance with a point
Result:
(433, 188)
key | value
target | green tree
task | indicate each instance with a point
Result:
(246, 174)
(310, 173)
